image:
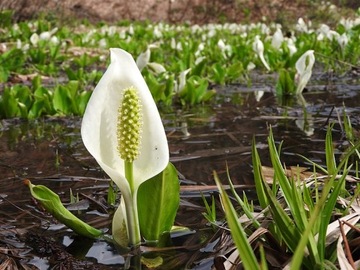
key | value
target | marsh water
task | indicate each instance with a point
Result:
(202, 139)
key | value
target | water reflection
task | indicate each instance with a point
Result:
(201, 139)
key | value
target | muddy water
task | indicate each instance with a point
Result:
(201, 139)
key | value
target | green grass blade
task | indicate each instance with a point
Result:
(287, 228)
(243, 205)
(245, 251)
(258, 177)
(289, 188)
(329, 152)
(326, 211)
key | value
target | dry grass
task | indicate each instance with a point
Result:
(194, 11)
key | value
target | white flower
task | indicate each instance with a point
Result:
(258, 47)
(304, 67)
(156, 67)
(107, 115)
(34, 39)
(291, 46)
(144, 57)
(48, 34)
(343, 40)
(182, 81)
(225, 49)
(277, 39)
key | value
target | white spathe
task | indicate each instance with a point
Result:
(99, 126)
(304, 66)
(258, 48)
(144, 58)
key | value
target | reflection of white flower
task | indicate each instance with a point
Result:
(305, 120)
(259, 94)
(110, 122)
(304, 67)
(306, 125)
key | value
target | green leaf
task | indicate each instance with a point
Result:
(246, 252)
(292, 194)
(51, 202)
(10, 103)
(285, 84)
(258, 177)
(36, 109)
(330, 154)
(4, 74)
(61, 100)
(82, 101)
(158, 200)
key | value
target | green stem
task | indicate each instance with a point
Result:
(129, 174)
(133, 227)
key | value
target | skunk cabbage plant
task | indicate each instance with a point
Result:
(123, 131)
(258, 48)
(304, 66)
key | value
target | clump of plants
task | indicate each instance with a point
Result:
(305, 220)
(182, 64)
(123, 131)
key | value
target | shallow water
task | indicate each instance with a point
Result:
(201, 140)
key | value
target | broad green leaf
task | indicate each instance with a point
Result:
(36, 82)
(4, 74)
(82, 101)
(36, 109)
(51, 202)
(61, 100)
(23, 95)
(10, 103)
(285, 84)
(158, 200)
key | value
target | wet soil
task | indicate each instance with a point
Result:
(202, 139)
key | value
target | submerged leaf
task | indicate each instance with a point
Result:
(152, 263)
